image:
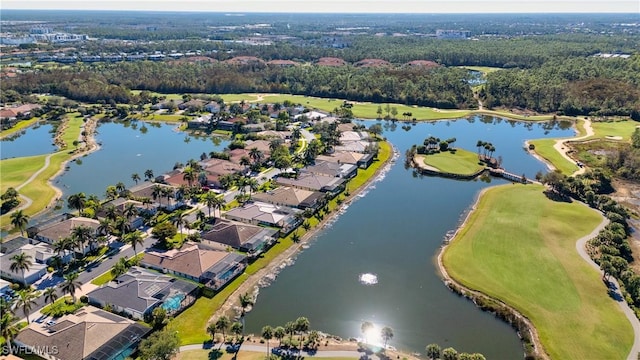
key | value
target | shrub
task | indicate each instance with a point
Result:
(84, 299)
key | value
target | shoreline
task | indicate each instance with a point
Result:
(253, 283)
(473, 295)
(91, 145)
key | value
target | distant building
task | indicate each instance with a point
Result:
(453, 34)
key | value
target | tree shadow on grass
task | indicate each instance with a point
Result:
(215, 354)
(558, 197)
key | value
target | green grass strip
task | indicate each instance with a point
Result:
(520, 247)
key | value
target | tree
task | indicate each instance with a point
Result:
(8, 328)
(71, 284)
(379, 112)
(290, 328)
(77, 201)
(135, 238)
(19, 220)
(82, 235)
(211, 330)
(21, 263)
(111, 192)
(267, 334)
(237, 329)
(449, 354)
(221, 325)
(135, 177)
(50, 295)
(279, 333)
(179, 220)
(159, 317)
(433, 351)
(163, 231)
(302, 325)
(246, 300)
(160, 345)
(387, 334)
(27, 300)
(189, 175)
(148, 174)
(394, 112)
(121, 187)
(366, 328)
(375, 129)
(119, 267)
(212, 200)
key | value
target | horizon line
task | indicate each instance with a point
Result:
(338, 13)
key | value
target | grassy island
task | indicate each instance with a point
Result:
(460, 162)
(520, 247)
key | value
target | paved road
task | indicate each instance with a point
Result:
(263, 348)
(85, 277)
(614, 289)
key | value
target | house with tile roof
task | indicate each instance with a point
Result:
(244, 237)
(313, 182)
(292, 197)
(139, 291)
(265, 214)
(52, 232)
(348, 157)
(88, 334)
(213, 268)
(334, 169)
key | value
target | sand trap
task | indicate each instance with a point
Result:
(614, 137)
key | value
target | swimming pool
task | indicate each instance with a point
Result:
(174, 302)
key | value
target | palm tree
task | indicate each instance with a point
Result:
(189, 175)
(157, 193)
(387, 334)
(71, 284)
(105, 228)
(21, 262)
(130, 210)
(178, 219)
(245, 302)
(302, 326)
(290, 328)
(221, 325)
(119, 267)
(19, 220)
(27, 300)
(237, 329)
(365, 328)
(135, 177)
(212, 201)
(433, 351)
(50, 295)
(8, 328)
(77, 201)
(168, 192)
(256, 155)
(279, 333)
(211, 329)
(121, 187)
(135, 238)
(123, 225)
(148, 174)
(253, 185)
(111, 193)
(267, 334)
(82, 235)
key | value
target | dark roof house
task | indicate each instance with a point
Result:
(248, 238)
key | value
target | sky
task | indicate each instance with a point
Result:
(340, 6)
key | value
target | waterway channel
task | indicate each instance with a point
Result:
(392, 234)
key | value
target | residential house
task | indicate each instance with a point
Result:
(202, 122)
(265, 214)
(212, 268)
(308, 181)
(248, 238)
(311, 115)
(12, 113)
(120, 205)
(147, 190)
(88, 334)
(212, 107)
(292, 197)
(271, 134)
(193, 104)
(54, 231)
(39, 254)
(359, 146)
(346, 136)
(167, 104)
(347, 157)
(328, 168)
(137, 292)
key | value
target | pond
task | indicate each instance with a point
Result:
(132, 148)
(35, 140)
(376, 261)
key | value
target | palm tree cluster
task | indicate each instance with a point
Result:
(434, 352)
(485, 149)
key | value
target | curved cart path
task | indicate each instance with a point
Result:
(27, 201)
(615, 289)
(560, 144)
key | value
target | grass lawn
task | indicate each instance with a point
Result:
(15, 171)
(461, 162)
(158, 117)
(103, 279)
(519, 247)
(623, 129)
(368, 110)
(544, 148)
(242, 355)
(482, 69)
(191, 324)
(75, 122)
(510, 115)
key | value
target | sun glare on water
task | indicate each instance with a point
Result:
(368, 279)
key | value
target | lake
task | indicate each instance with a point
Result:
(375, 262)
(36, 140)
(391, 236)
